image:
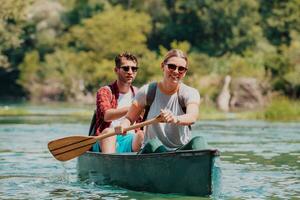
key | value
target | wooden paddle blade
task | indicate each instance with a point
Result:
(70, 147)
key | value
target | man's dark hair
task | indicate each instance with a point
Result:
(127, 56)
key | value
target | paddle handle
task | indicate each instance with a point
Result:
(112, 132)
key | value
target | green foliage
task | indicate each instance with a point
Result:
(279, 18)
(47, 19)
(292, 76)
(64, 50)
(77, 10)
(245, 66)
(71, 72)
(84, 59)
(149, 70)
(12, 17)
(234, 28)
(30, 71)
(7, 111)
(284, 67)
(208, 112)
(212, 27)
(111, 32)
(199, 64)
(283, 109)
(14, 9)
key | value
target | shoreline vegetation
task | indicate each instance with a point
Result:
(243, 55)
(281, 109)
(64, 50)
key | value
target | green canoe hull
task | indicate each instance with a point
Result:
(181, 172)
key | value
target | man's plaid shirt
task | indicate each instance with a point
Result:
(107, 98)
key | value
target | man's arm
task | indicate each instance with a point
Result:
(113, 114)
(132, 115)
(104, 105)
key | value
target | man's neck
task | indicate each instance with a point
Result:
(123, 87)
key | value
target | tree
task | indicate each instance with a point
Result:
(212, 27)
(110, 32)
(12, 20)
(279, 18)
(84, 56)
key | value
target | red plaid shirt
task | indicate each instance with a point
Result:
(107, 98)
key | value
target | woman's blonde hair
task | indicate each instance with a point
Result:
(175, 53)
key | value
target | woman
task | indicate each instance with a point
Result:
(174, 133)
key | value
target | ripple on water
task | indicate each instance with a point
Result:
(259, 160)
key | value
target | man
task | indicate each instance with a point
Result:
(113, 102)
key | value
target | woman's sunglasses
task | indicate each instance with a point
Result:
(126, 68)
(181, 69)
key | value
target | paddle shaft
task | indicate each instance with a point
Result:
(70, 147)
(138, 125)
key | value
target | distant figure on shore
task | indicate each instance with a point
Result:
(224, 96)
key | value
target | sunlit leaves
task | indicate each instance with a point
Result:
(112, 31)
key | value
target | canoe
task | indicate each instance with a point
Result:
(186, 172)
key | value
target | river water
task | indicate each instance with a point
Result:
(259, 160)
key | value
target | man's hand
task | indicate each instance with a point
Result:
(120, 130)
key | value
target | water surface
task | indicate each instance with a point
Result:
(259, 160)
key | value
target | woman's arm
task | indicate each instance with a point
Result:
(189, 118)
(192, 112)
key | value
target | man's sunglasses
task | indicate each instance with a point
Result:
(126, 68)
(181, 69)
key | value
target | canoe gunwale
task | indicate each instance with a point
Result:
(213, 152)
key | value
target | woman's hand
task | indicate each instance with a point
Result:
(168, 117)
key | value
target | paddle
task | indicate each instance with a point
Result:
(70, 147)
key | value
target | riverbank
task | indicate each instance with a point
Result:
(281, 109)
(26, 112)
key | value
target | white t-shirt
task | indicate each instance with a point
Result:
(171, 135)
(124, 100)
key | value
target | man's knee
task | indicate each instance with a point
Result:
(108, 145)
(140, 135)
(137, 141)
